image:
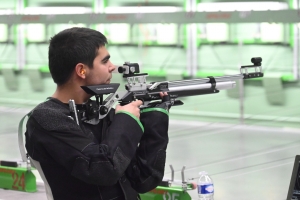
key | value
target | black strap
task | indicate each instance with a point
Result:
(212, 80)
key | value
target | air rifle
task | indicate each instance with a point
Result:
(138, 88)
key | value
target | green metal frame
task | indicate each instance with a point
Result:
(22, 179)
(168, 193)
(291, 6)
(17, 178)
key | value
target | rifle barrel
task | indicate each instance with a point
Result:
(204, 80)
(219, 86)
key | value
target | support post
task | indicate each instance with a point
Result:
(296, 45)
(241, 85)
(20, 36)
(191, 36)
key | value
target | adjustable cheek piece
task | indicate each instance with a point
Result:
(93, 111)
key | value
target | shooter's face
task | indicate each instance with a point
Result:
(101, 73)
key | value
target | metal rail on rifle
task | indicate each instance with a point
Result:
(138, 88)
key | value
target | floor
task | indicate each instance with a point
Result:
(246, 162)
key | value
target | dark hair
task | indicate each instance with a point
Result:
(70, 47)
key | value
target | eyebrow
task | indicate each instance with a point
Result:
(106, 58)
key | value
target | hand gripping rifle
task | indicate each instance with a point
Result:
(137, 88)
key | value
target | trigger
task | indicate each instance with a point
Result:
(166, 98)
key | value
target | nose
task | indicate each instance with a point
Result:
(112, 67)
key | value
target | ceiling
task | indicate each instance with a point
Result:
(89, 3)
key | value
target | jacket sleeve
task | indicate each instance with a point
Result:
(146, 170)
(63, 142)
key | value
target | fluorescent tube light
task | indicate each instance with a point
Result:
(6, 11)
(114, 33)
(36, 32)
(166, 33)
(217, 32)
(142, 9)
(56, 10)
(272, 32)
(295, 4)
(241, 6)
(3, 32)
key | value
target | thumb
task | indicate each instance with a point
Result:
(137, 103)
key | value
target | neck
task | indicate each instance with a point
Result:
(71, 91)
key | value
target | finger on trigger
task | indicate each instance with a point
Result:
(138, 102)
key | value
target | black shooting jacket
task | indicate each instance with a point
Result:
(115, 159)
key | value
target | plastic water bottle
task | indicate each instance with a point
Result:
(205, 187)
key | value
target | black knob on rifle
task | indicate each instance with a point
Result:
(256, 61)
(103, 110)
(92, 112)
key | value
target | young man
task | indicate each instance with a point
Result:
(121, 156)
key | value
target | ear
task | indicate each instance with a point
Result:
(80, 70)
